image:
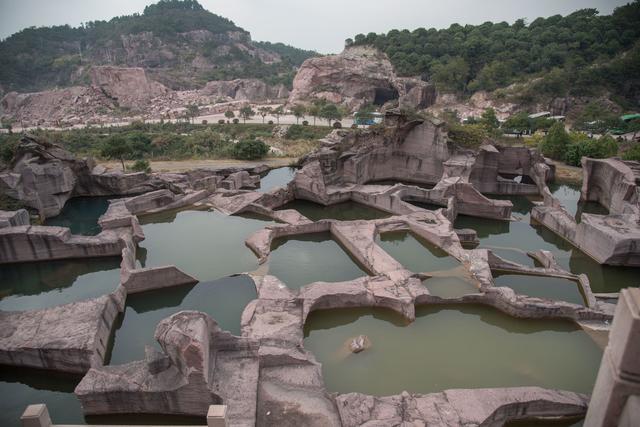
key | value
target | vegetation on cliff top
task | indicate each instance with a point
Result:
(45, 57)
(566, 51)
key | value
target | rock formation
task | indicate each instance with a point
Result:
(44, 176)
(612, 239)
(253, 90)
(113, 89)
(127, 87)
(356, 77)
(200, 365)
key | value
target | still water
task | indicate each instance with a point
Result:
(300, 260)
(449, 347)
(346, 211)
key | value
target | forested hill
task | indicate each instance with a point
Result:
(568, 52)
(178, 42)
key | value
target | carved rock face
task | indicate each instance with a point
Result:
(356, 77)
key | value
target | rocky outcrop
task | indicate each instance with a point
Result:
(356, 77)
(612, 239)
(127, 87)
(253, 90)
(44, 176)
(486, 407)
(199, 365)
(68, 338)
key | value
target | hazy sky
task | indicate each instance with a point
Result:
(319, 25)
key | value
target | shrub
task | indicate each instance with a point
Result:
(337, 125)
(555, 144)
(270, 122)
(470, 136)
(633, 153)
(204, 122)
(305, 123)
(222, 121)
(250, 149)
(583, 146)
(141, 166)
(236, 121)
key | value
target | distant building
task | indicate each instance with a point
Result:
(629, 117)
(368, 119)
(539, 115)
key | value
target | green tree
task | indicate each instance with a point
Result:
(246, 113)
(277, 112)
(299, 111)
(489, 120)
(264, 112)
(452, 74)
(229, 114)
(518, 123)
(314, 110)
(556, 142)
(331, 112)
(192, 112)
(117, 148)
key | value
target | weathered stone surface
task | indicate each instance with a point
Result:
(128, 87)
(68, 338)
(359, 343)
(356, 77)
(245, 90)
(490, 407)
(36, 243)
(205, 366)
(612, 239)
(14, 218)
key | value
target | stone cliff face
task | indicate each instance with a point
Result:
(128, 87)
(356, 77)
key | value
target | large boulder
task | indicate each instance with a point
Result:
(358, 76)
(129, 87)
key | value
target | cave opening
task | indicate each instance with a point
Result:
(384, 95)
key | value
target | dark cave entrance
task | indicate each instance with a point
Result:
(384, 95)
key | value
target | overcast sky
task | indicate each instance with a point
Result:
(319, 25)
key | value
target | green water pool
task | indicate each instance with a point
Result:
(346, 211)
(414, 253)
(449, 347)
(81, 215)
(300, 260)
(206, 244)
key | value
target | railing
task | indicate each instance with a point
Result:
(38, 416)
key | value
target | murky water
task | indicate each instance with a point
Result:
(414, 253)
(569, 196)
(223, 299)
(453, 285)
(427, 206)
(449, 347)
(300, 260)
(206, 244)
(346, 211)
(22, 387)
(553, 288)
(81, 215)
(512, 240)
(37, 285)
(276, 178)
